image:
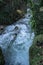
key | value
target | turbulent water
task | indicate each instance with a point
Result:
(16, 41)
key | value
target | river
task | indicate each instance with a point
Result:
(16, 41)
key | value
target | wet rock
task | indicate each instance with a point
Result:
(16, 27)
(1, 29)
(2, 61)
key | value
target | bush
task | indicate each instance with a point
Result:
(36, 51)
(37, 10)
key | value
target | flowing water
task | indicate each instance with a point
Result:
(16, 41)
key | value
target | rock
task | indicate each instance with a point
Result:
(41, 9)
(16, 27)
(19, 12)
(2, 61)
(1, 29)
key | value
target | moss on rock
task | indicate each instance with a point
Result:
(36, 51)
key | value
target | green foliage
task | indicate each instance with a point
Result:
(33, 25)
(37, 10)
(36, 52)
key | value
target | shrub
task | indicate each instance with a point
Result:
(36, 51)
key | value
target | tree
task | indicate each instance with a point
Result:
(37, 10)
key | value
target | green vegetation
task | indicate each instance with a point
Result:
(11, 11)
(36, 51)
(37, 20)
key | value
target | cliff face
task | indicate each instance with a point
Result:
(8, 10)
